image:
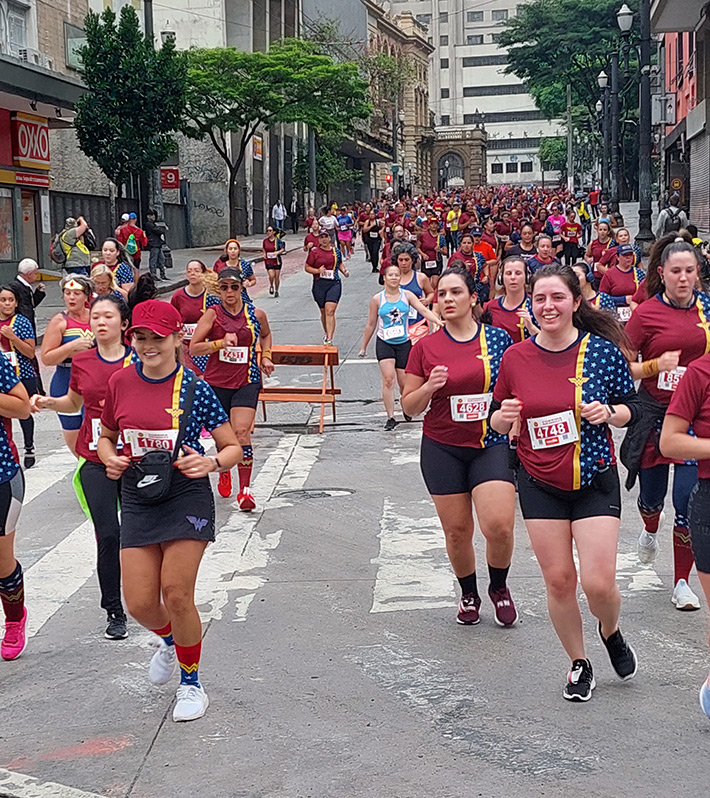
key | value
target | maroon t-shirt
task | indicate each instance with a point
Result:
(598, 249)
(189, 307)
(90, 374)
(509, 320)
(471, 262)
(473, 368)
(311, 239)
(327, 258)
(655, 327)
(234, 367)
(428, 244)
(572, 230)
(691, 402)
(640, 295)
(616, 282)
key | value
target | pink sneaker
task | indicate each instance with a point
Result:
(14, 641)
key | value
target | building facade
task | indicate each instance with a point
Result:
(686, 26)
(468, 86)
(37, 94)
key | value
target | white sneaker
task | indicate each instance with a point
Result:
(683, 597)
(647, 548)
(164, 664)
(191, 703)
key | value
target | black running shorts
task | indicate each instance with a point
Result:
(12, 493)
(246, 396)
(459, 469)
(538, 500)
(699, 522)
(326, 291)
(397, 352)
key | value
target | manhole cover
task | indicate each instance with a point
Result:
(317, 493)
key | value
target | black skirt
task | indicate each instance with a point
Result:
(187, 513)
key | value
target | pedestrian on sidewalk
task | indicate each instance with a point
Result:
(279, 214)
(133, 239)
(156, 239)
(294, 213)
(671, 219)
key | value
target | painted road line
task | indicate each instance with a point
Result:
(413, 571)
(54, 579)
(18, 785)
(365, 360)
(234, 565)
(47, 472)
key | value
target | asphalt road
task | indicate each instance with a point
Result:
(331, 656)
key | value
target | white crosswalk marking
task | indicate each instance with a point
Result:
(49, 470)
(18, 785)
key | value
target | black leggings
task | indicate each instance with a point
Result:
(373, 247)
(102, 496)
(28, 424)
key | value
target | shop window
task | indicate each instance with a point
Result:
(7, 247)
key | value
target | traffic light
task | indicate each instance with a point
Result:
(388, 178)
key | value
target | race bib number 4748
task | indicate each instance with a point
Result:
(548, 432)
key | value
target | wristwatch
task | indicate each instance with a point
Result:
(612, 411)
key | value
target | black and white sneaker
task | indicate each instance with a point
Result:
(580, 681)
(622, 656)
(116, 628)
(390, 424)
(30, 459)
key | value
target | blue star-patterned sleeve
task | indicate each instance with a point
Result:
(247, 269)
(618, 376)
(124, 274)
(498, 341)
(207, 408)
(23, 330)
(211, 301)
(8, 378)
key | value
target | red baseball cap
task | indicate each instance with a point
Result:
(158, 317)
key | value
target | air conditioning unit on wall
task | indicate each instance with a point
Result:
(30, 56)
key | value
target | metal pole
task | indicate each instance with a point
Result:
(312, 178)
(605, 140)
(154, 192)
(570, 154)
(645, 235)
(615, 153)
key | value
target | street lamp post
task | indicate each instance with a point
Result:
(600, 123)
(603, 81)
(446, 172)
(645, 236)
(614, 124)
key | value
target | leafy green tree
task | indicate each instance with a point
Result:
(552, 43)
(135, 100)
(331, 167)
(231, 94)
(553, 154)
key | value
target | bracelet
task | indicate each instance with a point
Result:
(218, 465)
(266, 353)
(217, 344)
(612, 410)
(650, 367)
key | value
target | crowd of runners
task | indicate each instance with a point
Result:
(522, 324)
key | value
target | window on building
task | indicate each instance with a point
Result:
(445, 119)
(443, 41)
(511, 168)
(17, 29)
(424, 19)
(499, 15)
(430, 40)
(444, 94)
(444, 17)
(526, 166)
(490, 91)
(484, 60)
(474, 16)
(495, 38)
(497, 168)
(508, 143)
(475, 39)
(444, 63)
(7, 234)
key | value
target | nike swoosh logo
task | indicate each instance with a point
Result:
(150, 479)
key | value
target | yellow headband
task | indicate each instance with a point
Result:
(73, 285)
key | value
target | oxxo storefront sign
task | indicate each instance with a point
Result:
(30, 141)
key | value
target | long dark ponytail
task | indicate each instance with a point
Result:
(586, 318)
(654, 282)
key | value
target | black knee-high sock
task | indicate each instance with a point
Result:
(468, 584)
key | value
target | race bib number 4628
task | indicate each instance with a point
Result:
(548, 432)
(470, 407)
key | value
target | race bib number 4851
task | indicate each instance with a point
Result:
(547, 432)
(668, 380)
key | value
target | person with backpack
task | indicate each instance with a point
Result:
(155, 234)
(671, 219)
(69, 247)
(134, 240)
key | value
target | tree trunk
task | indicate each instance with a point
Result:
(233, 213)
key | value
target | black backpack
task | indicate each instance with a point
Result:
(672, 223)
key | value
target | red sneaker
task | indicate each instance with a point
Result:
(506, 614)
(14, 641)
(468, 610)
(224, 486)
(245, 500)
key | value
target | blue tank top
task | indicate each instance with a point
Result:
(393, 319)
(418, 291)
